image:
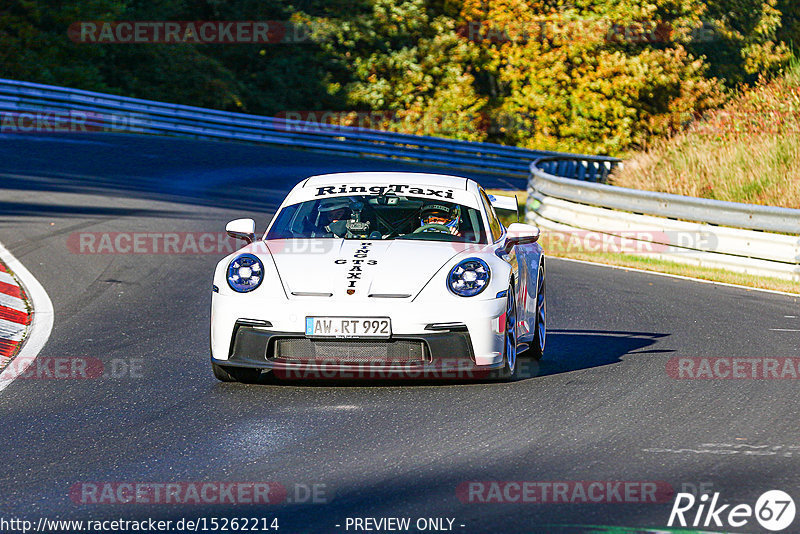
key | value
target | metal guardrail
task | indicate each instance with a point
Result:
(584, 168)
(152, 117)
(727, 235)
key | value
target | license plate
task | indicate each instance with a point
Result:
(348, 327)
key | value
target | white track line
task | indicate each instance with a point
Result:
(678, 276)
(41, 318)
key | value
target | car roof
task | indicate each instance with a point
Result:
(436, 180)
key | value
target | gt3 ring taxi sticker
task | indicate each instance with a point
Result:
(359, 260)
(383, 189)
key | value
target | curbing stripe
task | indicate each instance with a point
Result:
(11, 331)
(7, 301)
(11, 290)
(7, 348)
(14, 316)
(20, 332)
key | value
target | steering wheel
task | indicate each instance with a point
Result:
(438, 228)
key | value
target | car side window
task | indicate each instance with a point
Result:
(494, 223)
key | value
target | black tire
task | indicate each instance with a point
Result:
(510, 366)
(244, 375)
(536, 349)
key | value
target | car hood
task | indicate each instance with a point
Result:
(358, 269)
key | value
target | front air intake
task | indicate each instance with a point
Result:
(354, 351)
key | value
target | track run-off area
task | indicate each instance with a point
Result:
(650, 385)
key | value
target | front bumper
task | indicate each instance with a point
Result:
(440, 355)
(476, 337)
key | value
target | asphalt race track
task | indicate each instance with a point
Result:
(601, 406)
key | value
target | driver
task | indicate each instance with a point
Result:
(333, 216)
(441, 215)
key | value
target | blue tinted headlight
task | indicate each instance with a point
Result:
(245, 273)
(469, 277)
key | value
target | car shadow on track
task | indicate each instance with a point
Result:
(571, 350)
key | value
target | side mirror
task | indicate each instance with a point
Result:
(520, 234)
(242, 229)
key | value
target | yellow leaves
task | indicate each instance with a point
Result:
(765, 56)
(587, 75)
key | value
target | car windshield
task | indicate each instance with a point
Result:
(379, 217)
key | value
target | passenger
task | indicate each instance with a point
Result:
(332, 218)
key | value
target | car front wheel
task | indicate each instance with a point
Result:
(510, 344)
(540, 335)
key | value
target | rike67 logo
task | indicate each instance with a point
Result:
(774, 510)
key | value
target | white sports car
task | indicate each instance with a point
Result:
(386, 272)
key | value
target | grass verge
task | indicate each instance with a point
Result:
(681, 269)
(747, 151)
